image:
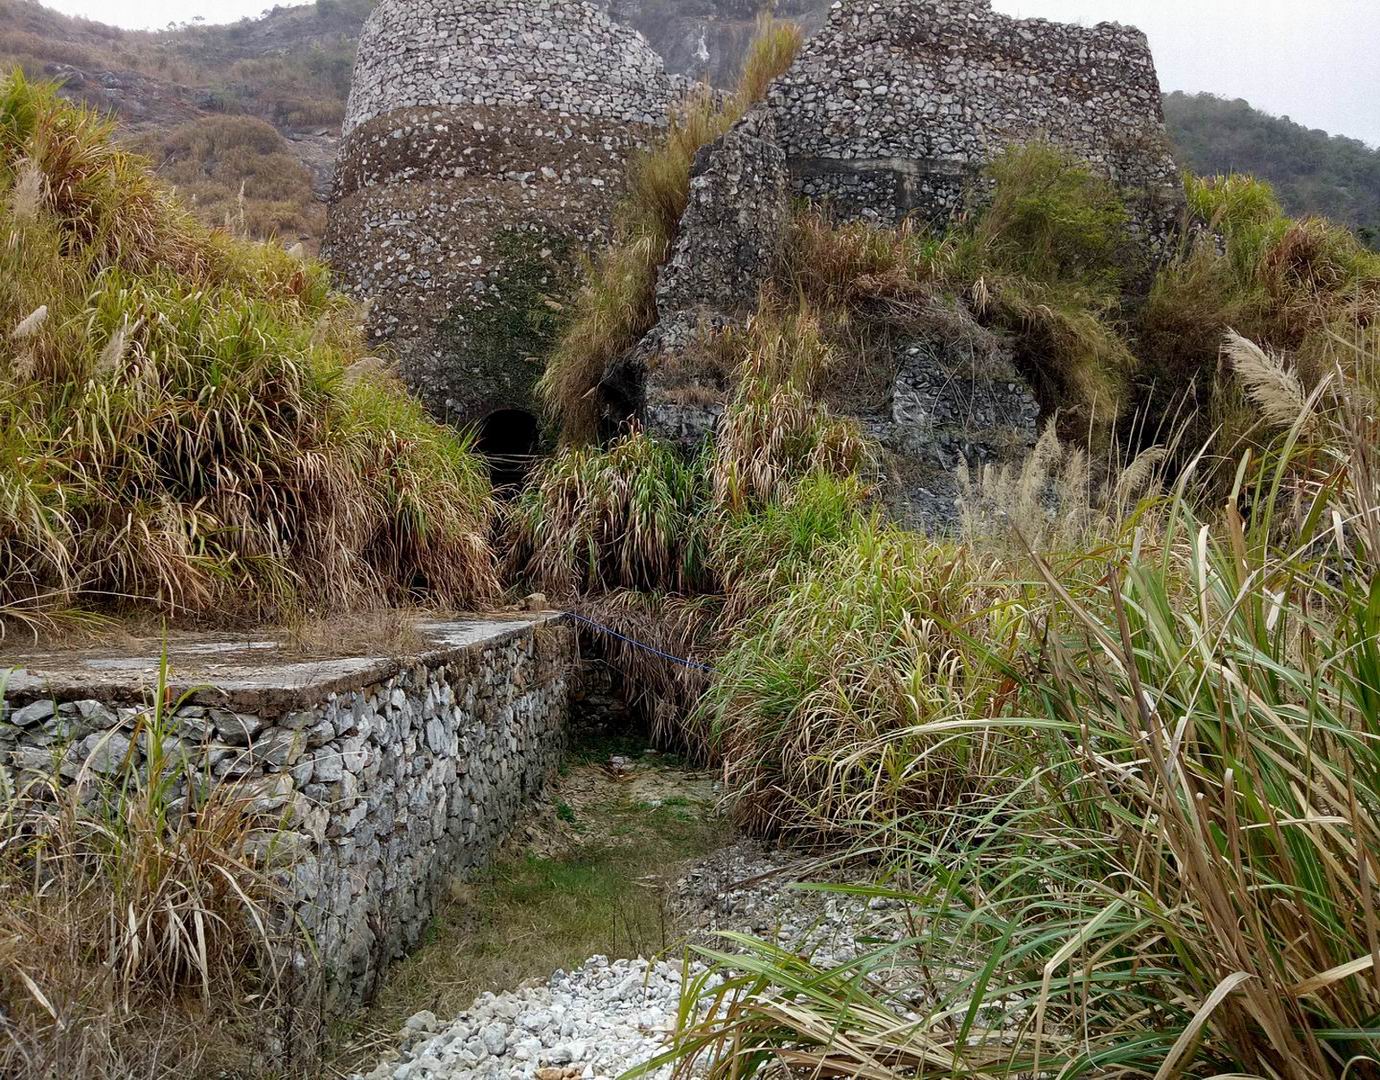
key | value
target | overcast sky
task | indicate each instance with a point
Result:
(1317, 61)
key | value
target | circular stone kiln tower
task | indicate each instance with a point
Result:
(484, 145)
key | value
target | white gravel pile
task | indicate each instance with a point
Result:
(752, 889)
(594, 1023)
(609, 1016)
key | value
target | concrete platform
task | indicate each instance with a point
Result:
(255, 673)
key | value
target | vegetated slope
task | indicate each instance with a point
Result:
(1114, 747)
(184, 419)
(1311, 171)
(289, 70)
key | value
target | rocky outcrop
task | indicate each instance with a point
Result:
(707, 39)
(957, 399)
(485, 143)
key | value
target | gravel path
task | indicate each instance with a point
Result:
(606, 1017)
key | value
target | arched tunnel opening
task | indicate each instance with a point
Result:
(508, 439)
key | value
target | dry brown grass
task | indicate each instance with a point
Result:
(238, 172)
(139, 937)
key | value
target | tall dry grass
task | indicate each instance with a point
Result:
(178, 427)
(1175, 874)
(140, 935)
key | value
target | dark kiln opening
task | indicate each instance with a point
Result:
(508, 440)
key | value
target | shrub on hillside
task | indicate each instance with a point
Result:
(238, 172)
(179, 425)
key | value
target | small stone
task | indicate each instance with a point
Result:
(32, 714)
(495, 1038)
(237, 729)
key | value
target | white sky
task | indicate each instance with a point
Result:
(1317, 61)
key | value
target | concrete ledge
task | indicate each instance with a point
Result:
(252, 674)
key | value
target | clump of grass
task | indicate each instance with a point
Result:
(138, 934)
(1050, 501)
(1290, 286)
(1047, 258)
(617, 304)
(818, 709)
(1177, 877)
(776, 429)
(623, 518)
(181, 431)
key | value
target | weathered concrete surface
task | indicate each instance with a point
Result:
(254, 673)
(384, 777)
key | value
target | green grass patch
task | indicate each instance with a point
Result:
(531, 914)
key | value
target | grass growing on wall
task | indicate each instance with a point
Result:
(138, 931)
(180, 427)
(617, 305)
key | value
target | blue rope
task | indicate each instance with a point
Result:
(693, 665)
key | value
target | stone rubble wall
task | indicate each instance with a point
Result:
(894, 105)
(737, 213)
(469, 120)
(891, 111)
(388, 792)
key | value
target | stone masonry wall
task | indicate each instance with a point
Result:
(891, 111)
(470, 121)
(391, 778)
(894, 105)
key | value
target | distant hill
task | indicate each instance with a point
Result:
(254, 105)
(1313, 172)
(258, 103)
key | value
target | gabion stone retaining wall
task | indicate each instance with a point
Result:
(393, 778)
(485, 144)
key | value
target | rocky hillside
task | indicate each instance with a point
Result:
(244, 118)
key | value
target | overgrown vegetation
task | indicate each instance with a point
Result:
(1171, 869)
(1313, 172)
(617, 304)
(138, 928)
(1112, 746)
(180, 427)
